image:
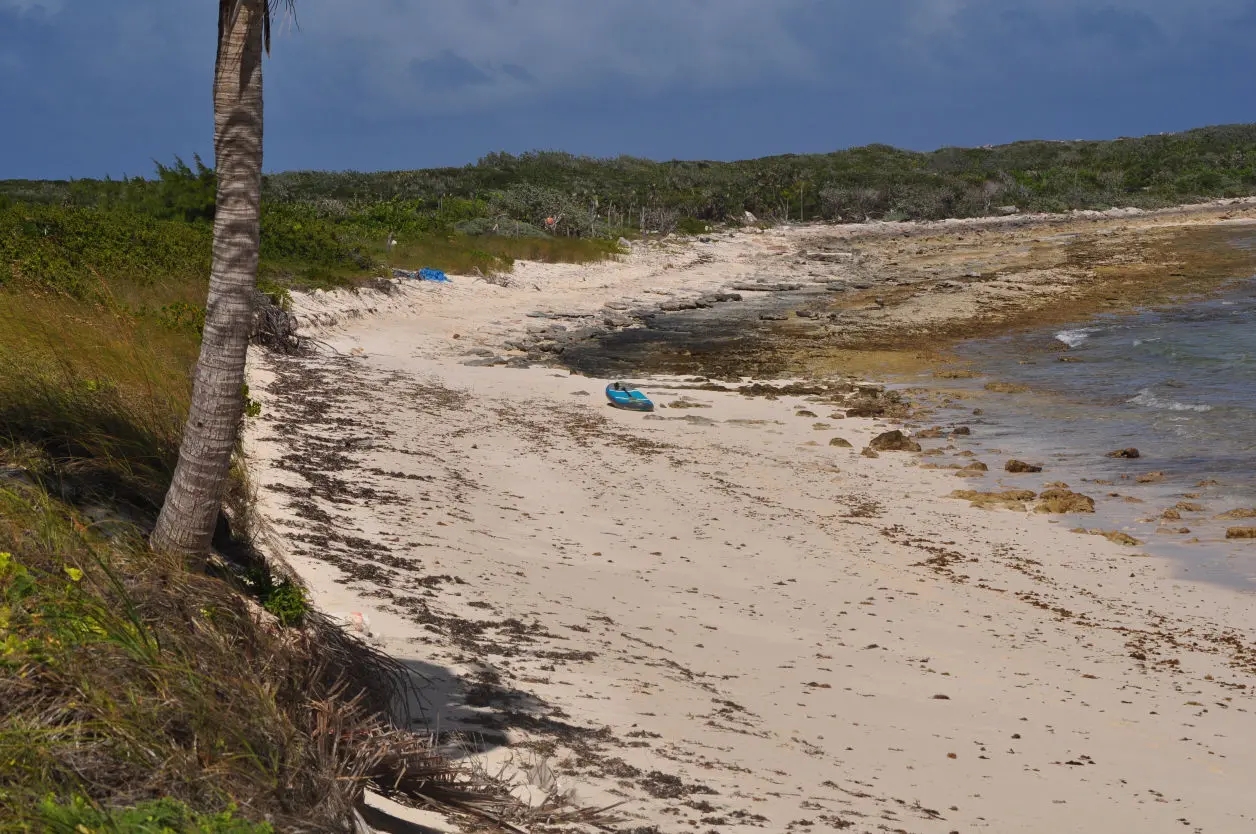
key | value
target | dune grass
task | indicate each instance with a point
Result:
(131, 679)
(462, 254)
(96, 393)
(141, 693)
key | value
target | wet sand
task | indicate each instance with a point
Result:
(711, 613)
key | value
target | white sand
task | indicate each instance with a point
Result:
(807, 638)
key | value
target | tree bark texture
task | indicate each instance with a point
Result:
(190, 512)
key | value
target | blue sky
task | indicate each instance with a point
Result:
(94, 87)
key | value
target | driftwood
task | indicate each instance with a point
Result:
(273, 326)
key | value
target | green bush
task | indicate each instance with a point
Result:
(294, 234)
(161, 816)
(81, 252)
(692, 226)
(283, 599)
(499, 226)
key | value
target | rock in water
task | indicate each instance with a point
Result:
(841, 443)
(1012, 499)
(1125, 454)
(1117, 537)
(1241, 533)
(893, 441)
(1006, 387)
(1019, 466)
(1062, 501)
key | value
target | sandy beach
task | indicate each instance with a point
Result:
(723, 616)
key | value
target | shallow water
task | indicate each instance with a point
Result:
(1177, 383)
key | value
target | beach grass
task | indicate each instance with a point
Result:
(463, 254)
(144, 693)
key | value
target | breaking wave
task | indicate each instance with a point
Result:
(1148, 399)
(1073, 338)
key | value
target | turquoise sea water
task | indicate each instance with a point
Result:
(1178, 383)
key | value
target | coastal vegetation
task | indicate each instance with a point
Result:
(325, 229)
(511, 196)
(146, 692)
(157, 674)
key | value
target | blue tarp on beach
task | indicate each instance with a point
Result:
(425, 274)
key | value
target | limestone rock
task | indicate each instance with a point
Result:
(780, 286)
(830, 257)
(1012, 499)
(1115, 536)
(1061, 501)
(893, 441)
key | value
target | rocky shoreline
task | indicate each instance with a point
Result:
(811, 293)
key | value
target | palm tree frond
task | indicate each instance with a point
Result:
(287, 7)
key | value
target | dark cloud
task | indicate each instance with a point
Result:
(519, 73)
(106, 87)
(448, 71)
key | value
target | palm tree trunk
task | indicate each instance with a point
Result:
(190, 513)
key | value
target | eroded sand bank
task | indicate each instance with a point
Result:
(713, 613)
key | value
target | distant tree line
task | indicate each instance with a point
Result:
(332, 218)
(873, 182)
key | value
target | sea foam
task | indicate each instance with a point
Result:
(1073, 338)
(1148, 399)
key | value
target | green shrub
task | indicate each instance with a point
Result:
(85, 252)
(294, 234)
(284, 599)
(692, 226)
(500, 226)
(161, 816)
